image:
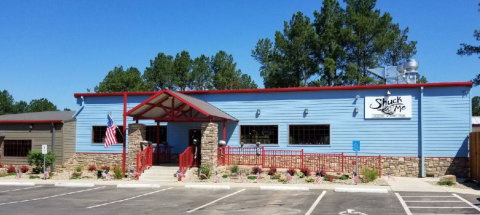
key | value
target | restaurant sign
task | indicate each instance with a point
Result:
(388, 107)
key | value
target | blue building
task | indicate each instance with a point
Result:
(418, 129)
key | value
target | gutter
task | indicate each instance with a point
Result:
(422, 153)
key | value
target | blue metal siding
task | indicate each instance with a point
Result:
(446, 121)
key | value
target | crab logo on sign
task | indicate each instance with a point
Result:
(388, 107)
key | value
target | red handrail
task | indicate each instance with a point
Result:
(144, 159)
(185, 159)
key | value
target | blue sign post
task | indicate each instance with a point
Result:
(356, 149)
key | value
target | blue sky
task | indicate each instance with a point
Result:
(54, 49)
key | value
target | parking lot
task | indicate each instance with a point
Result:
(47, 199)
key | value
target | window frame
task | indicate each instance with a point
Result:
(93, 134)
(262, 144)
(154, 126)
(16, 139)
(311, 145)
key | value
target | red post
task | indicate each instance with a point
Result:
(379, 166)
(125, 129)
(158, 143)
(342, 163)
(224, 131)
(138, 164)
(301, 159)
(263, 156)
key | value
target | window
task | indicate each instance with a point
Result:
(16, 148)
(151, 134)
(98, 134)
(265, 134)
(309, 134)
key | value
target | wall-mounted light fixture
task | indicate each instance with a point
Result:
(305, 111)
(258, 111)
(357, 96)
(30, 126)
(465, 92)
(356, 110)
(388, 93)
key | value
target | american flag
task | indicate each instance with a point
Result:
(240, 175)
(390, 177)
(110, 134)
(18, 174)
(258, 175)
(355, 178)
(180, 174)
(289, 177)
(202, 174)
(217, 177)
(319, 179)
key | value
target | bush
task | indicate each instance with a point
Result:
(252, 177)
(105, 168)
(118, 173)
(37, 169)
(78, 168)
(300, 174)
(33, 177)
(369, 175)
(35, 157)
(343, 177)
(275, 177)
(329, 178)
(205, 169)
(446, 182)
(310, 180)
(305, 171)
(76, 175)
(272, 171)
(225, 176)
(24, 169)
(92, 167)
(283, 180)
(256, 169)
(11, 169)
(291, 171)
(234, 169)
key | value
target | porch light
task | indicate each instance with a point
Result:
(258, 111)
(388, 93)
(305, 111)
(30, 126)
(356, 110)
(221, 143)
(357, 96)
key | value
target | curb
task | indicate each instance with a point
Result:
(359, 190)
(23, 184)
(284, 188)
(74, 185)
(203, 186)
(138, 186)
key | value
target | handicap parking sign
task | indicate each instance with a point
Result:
(356, 146)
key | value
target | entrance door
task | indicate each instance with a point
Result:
(195, 135)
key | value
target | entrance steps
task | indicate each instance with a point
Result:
(163, 173)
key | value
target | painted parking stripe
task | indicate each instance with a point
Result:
(205, 205)
(469, 203)
(134, 197)
(48, 197)
(415, 207)
(316, 203)
(27, 188)
(404, 205)
(433, 201)
(428, 196)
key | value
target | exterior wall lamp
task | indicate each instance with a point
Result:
(357, 96)
(305, 111)
(356, 110)
(388, 93)
(258, 111)
(30, 126)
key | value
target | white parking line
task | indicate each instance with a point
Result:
(315, 203)
(146, 194)
(440, 207)
(205, 205)
(48, 197)
(6, 191)
(469, 203)
(404, 205)
(433, 201)
(428, 196)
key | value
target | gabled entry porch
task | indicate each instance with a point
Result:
(174, 107)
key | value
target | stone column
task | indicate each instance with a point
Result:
(136, 134)
(209, 145)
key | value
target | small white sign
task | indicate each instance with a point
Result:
(44, 149)
(388, 107)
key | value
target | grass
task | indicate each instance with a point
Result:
(447, 182)
(33, 177)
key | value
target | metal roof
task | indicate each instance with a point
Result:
(38, 117)
(171, 106)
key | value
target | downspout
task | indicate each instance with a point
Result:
(422, 153)
(53, 145)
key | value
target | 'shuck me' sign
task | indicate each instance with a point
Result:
(388, 107)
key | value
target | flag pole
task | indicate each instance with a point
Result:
(124, 126)
(120, 131)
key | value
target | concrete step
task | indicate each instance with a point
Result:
(158, 178)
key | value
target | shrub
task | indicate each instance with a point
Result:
(300, 174)
(35, 157)
(305, 171)
(92, 167)
(328, 178)
(118, 173)
(37, 169)
(234, 169)
(283, 180)
(24, 169)
(1, 165)
(76, 175)
(446, 182)
(33, 177)
(105, 168)
(256, 169)
(11, 173)
(310, 180)
(225, 176)
(252, 177)
(205, 169)
(291, 171)
(11, 169)
(272, 171)
(275, 177)
(343, 177)
(78, 168)
(369, 175)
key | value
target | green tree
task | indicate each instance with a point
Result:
(265, 54)
(226, 75)
(20, 107)
(66, 109)
(247, 82)
(476, 106)
(159, 75)
(468, 50)
(201, 76)
(422, 80)
(6, 102)
(117, 79)
(401, 49)
(39, 105)
(182, 66)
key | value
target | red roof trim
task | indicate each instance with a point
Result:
(30, 121)
(293, 89)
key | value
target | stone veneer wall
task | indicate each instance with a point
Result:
(435, 167)
(136, 134)
(209, 145)
(85, 159)
(401, 166)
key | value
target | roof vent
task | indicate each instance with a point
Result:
(404, 73)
